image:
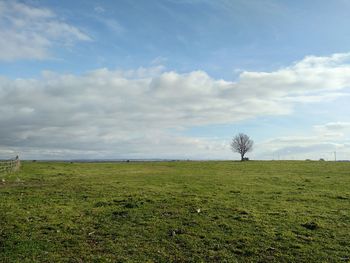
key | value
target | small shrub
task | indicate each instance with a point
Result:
(310, 225)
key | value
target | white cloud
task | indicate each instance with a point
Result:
(99, 9)
(112, 24)
(323, 142)
(159, 60)
(28, 32)
(333, 126)
(138, 113)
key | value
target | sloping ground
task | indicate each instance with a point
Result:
(176, 212)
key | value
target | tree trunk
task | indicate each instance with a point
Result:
(242, 157)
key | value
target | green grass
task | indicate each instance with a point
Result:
(148, 212)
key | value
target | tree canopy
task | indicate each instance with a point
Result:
(242, 144)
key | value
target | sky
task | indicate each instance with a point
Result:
(174, 79)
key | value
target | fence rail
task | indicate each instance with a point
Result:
(12, 165)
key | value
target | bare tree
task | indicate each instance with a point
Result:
(242, 144)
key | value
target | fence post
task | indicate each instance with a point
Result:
(10, 165)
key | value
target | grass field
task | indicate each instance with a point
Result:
(276, 211)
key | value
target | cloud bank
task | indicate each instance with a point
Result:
(140, 113)
(28, 32)
(328, 141)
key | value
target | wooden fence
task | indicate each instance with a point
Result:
(12, 165)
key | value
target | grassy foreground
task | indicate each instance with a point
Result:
(274, 211)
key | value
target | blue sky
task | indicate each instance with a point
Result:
(174, 79)
(219, 37)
